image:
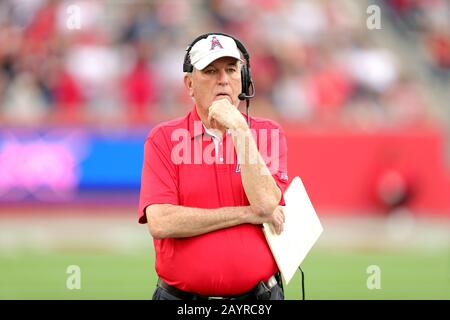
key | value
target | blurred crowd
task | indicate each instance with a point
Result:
(429, 22)
(120, 62)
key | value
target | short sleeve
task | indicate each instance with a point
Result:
(159, 180)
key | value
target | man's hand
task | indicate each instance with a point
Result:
(276, 218)
(226, 115)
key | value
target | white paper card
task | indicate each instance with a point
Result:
(302, 228)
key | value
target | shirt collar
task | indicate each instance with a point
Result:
(213, 133)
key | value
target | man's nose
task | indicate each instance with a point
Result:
(223, 77)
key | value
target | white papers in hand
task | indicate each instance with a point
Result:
(302, 228)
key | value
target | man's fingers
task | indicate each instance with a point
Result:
(280, 228)
(274, 227)
(282, 218)
(278, 224)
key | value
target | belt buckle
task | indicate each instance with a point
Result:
(216, 298)
(271, 282)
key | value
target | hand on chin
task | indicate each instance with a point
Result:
(224, 100)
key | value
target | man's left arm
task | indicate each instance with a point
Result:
(260, 187)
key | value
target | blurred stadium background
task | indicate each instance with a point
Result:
(366, 113)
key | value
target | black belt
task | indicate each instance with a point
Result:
(185, 295)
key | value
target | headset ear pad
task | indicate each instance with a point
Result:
(245, 79)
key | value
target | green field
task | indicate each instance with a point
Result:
(330, 274)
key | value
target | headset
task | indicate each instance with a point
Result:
(248, 87)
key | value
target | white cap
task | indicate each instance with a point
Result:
(212, 48)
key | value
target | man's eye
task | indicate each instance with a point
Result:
(210, 71)
(231, 69)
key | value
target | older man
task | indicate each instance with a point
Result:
(207, 186)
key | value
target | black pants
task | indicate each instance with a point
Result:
(276, 293)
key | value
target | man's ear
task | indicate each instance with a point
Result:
(188, 84)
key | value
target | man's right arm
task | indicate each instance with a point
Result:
(173, 221)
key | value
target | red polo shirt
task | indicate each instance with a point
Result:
(223, 262)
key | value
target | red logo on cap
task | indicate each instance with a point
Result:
(215, 43)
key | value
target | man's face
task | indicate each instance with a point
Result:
(220, 79)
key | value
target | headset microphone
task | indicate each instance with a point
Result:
(244, 96)
(247, 97)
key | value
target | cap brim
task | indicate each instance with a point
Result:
(205, 61)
